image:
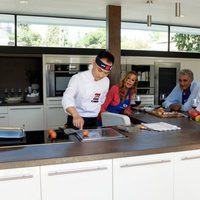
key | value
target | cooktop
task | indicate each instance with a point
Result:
(35, 137)
(100, 134)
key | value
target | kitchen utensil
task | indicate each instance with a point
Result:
(11, 133)
(12, 136)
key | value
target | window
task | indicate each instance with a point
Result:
(60, 32)
(7, 33)
(137, 36)
(184, 39)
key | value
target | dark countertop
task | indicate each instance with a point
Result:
(140, 143)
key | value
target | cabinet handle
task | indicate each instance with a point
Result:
(145, 163)
(51, 107)
(2, 117)
(16, 177)
(55, 173)
(54, 100)
(25, 108)
(190, 158)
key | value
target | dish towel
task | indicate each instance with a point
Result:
(161, 126)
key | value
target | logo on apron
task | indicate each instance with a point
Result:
(96, 98)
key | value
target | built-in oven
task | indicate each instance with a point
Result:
(58, 76)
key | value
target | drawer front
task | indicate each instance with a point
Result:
(54, 101)
(3, 109)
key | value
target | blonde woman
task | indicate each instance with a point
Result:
(119, 96)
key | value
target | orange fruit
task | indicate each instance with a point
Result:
(53, 135)
(85, 133)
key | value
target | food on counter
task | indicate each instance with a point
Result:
(197, 118)
(85, 133)
(52, 134)
(160, 112)
(193, 114)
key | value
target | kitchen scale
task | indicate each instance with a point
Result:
(100, 134)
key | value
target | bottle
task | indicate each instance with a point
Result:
(12, 91)
(25, 92)
(6, 92)
(139, 76)
(19, 93)
(143, 76)
(29, 90)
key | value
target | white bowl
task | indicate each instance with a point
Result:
(32, 99)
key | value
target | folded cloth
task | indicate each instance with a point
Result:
(161, 126)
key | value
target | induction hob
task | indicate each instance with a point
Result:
(100, 134)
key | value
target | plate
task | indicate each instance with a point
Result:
(13, 99)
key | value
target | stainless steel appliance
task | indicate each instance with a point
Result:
(100, 134)
(166, 78)
(58, 76)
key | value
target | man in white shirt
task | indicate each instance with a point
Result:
(181, 96)
(86, 92)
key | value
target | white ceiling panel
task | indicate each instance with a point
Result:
(162, 11)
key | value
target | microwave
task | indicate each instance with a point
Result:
(59, 75)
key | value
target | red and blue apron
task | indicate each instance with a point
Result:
(121, 106)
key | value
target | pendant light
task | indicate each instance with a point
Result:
(149, 16)
(178, 9)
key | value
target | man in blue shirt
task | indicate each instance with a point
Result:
(181, 96)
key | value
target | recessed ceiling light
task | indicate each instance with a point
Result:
(23, 1)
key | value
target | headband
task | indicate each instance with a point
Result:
(102, 65)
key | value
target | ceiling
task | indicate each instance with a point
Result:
(162, 11)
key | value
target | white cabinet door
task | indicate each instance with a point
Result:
(55, 116)
(4, 120)
(4, 116)
(143, 177)
(20, 184)
(31, 117)
(86, 180)
(187, 175)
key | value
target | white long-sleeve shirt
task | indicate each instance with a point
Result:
(85, 94)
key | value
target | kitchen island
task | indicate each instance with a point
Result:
(146, 165)
(143, 142)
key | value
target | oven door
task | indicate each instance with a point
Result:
(61, 82)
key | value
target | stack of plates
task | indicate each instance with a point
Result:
(13, 99)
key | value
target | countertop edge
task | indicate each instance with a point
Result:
(74, 159)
